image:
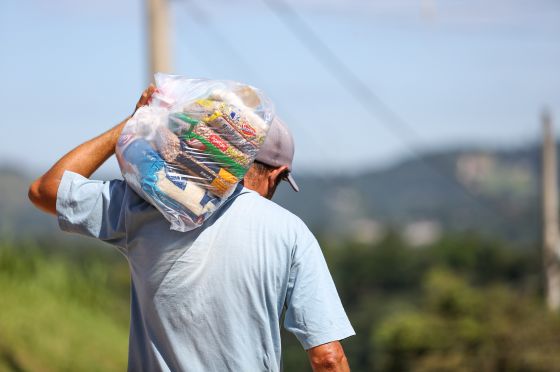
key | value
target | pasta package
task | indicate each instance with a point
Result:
(187, 151)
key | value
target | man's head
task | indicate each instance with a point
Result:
(273, 162)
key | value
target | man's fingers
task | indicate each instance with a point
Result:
(146, 96)
(149, 91)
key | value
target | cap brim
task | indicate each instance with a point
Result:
(292, 182)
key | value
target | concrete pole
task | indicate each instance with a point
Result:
(550, 216)
(159, 48)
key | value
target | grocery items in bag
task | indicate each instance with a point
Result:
(187, 151)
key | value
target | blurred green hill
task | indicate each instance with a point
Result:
(495, 192)
(18, 217)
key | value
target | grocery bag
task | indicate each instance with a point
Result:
(187, 151)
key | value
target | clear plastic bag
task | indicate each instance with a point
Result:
(186, 151)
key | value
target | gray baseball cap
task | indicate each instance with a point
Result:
(278, 149)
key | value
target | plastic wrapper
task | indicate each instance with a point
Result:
(187, 151)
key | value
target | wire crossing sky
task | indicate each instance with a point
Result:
(363, 94)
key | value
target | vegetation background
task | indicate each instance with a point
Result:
(464, 303)
(468, 296)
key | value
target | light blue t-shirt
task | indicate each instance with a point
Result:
(210, 299)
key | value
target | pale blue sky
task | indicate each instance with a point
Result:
(459, 72)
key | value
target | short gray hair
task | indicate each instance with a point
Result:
(262, 169)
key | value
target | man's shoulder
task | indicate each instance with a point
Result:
(251, 217)
(263, 211)
(264, 205)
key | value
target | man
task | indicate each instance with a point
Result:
(208, 299)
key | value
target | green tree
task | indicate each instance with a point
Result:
(463, 328)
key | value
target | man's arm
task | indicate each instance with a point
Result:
(84, 160)
(328, 357)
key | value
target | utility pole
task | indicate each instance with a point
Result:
(159, 48)
(551, 256)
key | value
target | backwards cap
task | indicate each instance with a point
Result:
(278, 149)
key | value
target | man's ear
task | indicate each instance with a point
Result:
(274, 174)
(274, 178)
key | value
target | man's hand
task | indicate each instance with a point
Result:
(145, 97)
(84, 159)
(328, 357)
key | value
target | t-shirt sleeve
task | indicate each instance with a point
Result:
(93, 208)
(314, 312)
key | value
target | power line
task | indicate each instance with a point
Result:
(204, 20)
(339, 70)
(360, 91)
